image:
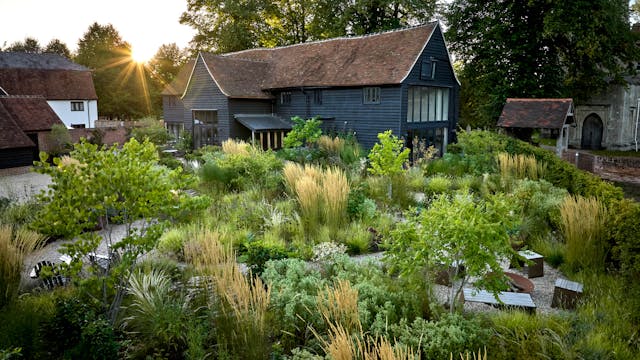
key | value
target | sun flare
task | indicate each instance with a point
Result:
(141, 55)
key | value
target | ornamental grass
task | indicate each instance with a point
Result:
(582, 226)
(521, 166)
(333, 146)
(233, 147)
(240, 303)
(15, 244)
(322, 195)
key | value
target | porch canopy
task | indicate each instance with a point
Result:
(553, 116)
(262, 122)
(269, 127)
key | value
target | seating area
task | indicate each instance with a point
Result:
(521, 301)
(549, 292)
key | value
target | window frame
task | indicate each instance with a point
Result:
(77, 105)
(428, 104)
(285, 98)
(371, 95)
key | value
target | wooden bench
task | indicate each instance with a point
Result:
(505, 299)
(535, 265)
(566, 294)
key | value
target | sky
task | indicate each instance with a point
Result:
(145, 24)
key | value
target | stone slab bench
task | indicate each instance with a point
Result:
(520, 301)
(566, 294)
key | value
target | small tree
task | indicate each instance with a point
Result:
(453, 231)
(304, 132)
(104, 187)
(388, 157)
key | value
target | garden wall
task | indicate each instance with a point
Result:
(625, 169)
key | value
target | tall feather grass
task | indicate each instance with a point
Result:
(582, 226)
(322, 194)
(335, 192)
(521, 166)
(233, 147)
(333, 146)
(15, 244)
(345, 339)
(240, 302)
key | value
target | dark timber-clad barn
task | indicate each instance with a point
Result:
(401, 80)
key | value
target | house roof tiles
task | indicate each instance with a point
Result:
(378, 59)
(11, 136)
(30, 113)
(50, 75)
(535, 113)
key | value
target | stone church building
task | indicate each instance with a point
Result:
(610, 120)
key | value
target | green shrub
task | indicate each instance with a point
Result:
(152, 130)
(172, 241)
(239, 172)
(303, 133)
(438, 185)
(294, 289)
(607, 314)
(540, 202)
(77, 329)
(624, 233)
(258, 252)
(21, 323)
(452, 334)
(359, 206)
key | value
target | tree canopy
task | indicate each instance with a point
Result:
(232, 25)
(537, 49)
(121, 84)
(31, 45)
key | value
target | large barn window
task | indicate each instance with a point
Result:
(426, 103)
(371, 95)
(77, 106)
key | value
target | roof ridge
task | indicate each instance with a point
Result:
(224, 56)
(346, 37)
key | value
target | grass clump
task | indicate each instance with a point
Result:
(238, 305)
(582, 226)
(322, 194)
(521, 166)
(15, 244)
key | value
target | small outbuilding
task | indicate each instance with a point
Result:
(552, 118)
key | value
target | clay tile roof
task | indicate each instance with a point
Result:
(50, 75)
(11, 136)
(239, 78)
(535, 113)
(179, 83)
(378, 59)
(30, 113)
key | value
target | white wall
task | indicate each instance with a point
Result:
(62, 108)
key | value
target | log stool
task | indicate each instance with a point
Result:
(566, 294)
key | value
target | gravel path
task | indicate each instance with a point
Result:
(22, 187)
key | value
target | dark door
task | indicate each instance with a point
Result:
(592, 132)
